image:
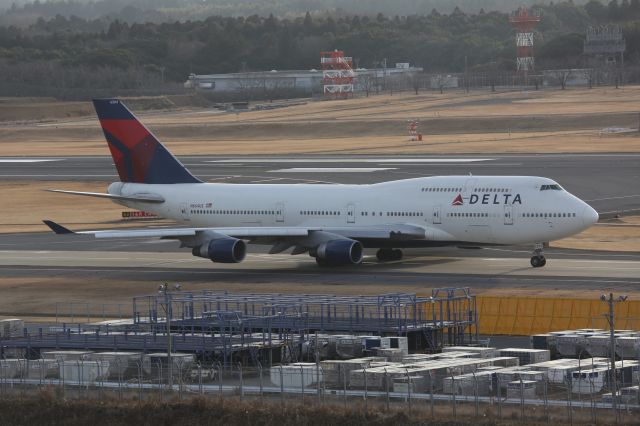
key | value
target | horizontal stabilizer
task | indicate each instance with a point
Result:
(141, 198)
(58, 229)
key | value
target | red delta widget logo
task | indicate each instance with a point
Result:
(488, 199)
(458, 201)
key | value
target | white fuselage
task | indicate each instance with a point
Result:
(476, 209)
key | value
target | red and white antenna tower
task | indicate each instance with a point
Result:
(337, 74)
(524, 21)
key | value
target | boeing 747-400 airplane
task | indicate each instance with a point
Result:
(333, 223)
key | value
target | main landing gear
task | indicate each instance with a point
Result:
(538, 260)
(386, 255)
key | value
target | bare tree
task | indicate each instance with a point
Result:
(367, 82)
(563, 76)
(416, 81)
(441, 81)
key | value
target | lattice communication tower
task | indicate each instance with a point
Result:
(337, 74)
(524, 21)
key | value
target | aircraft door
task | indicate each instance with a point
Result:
(437, 212)
(351, 213)
(184, 211)
(280, 212)
(469, 185)
(508, 214)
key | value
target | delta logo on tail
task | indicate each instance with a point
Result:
(458, 201)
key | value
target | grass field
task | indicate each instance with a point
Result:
(478, 122)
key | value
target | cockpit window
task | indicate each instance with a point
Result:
(554, 187)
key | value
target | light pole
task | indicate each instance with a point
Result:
(612, 342)
(164, 290)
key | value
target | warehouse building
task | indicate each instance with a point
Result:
(300, 82)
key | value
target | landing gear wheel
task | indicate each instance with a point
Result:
(538, 261)
(397, 254)
(386, 255)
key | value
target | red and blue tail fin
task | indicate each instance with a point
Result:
(137, 153)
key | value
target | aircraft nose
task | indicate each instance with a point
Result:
(589, 216)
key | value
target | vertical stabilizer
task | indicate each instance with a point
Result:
(137, 153)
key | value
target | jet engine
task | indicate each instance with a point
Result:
(222, 250)
(339, 252)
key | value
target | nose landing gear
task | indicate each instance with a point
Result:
(538, 260)
(386, 255)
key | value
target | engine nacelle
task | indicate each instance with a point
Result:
(340, 252)
(222, 250)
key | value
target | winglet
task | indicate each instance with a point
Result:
(58, 229)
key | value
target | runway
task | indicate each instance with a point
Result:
(84, 258)
(258, 263)
(84, 268)
(606, 181)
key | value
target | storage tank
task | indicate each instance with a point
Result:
(41, 369)
(121, 364)
(297, 375)
(12, 368)
(82, 371)
(157, 363)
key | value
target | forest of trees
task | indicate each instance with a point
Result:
(71, 52)
(26, 12)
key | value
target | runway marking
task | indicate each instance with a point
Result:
(332, 170)
(614, 198)
(268, 180)
(28, 160)
(351, 160)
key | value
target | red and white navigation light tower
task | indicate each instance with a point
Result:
(337, 74)
(524, 21)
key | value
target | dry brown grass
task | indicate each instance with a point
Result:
(48, 408)
(480, 122)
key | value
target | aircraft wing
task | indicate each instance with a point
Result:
(393, 231)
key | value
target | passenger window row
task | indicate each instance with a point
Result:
(467, 214)
(441, 189)
(543, 215)
(410, 214)
(492, 190)
(319, 213)
(244, 212)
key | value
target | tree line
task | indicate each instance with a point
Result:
(70, 52)
(171, 10)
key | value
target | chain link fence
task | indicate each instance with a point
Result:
(582, 396)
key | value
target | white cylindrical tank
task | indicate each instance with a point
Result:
(301, 374)
(82, 371)
(12, 368)
(43, 369)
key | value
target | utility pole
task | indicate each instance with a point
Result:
(612, 343)
(466, 75)
(164, 289)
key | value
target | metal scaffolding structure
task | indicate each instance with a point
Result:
(337, 74)
(262, 327)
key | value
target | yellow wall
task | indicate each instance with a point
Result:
(533, 315)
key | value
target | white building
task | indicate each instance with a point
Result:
(301, 81)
